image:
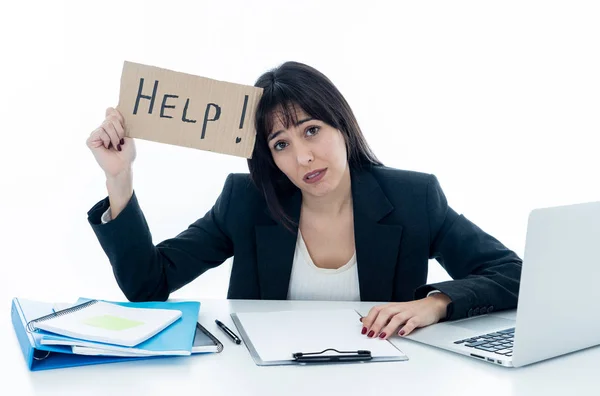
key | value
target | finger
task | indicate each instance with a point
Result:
(98, 138)
(396, 321)
(368, 320)
(410, 325)
(112, 111)
(105, 139)
(112, 132)
(118, 127)
(94, 141)
(384, 317)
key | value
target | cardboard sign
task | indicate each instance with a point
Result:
(186, 110)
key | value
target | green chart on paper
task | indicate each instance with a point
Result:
(111, 322)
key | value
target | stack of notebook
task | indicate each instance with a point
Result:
(95, 331)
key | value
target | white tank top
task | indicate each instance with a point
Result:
(309, 282)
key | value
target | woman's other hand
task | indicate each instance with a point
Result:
(402, 318)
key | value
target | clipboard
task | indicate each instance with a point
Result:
(342, 323)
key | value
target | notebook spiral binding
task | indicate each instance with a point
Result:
(31, 324)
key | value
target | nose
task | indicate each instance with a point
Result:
(304, 155)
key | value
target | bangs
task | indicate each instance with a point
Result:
(280, 103)
(285, 114)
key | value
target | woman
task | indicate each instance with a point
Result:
(318, 217)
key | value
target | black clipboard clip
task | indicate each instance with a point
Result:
(342, 356)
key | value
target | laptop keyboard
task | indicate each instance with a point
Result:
(500, 342)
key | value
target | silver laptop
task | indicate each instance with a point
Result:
(558, 310)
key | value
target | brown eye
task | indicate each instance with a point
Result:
(312, 131)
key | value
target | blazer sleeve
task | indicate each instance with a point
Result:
(145, 272)
(486, 275)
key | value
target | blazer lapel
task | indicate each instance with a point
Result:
(377, 245)
(275, 247)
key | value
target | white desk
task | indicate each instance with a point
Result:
(428, 372)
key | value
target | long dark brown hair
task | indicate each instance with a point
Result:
(298, 85)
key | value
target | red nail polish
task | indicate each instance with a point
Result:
(364, 330)
(401, 333)
(382, 335)
(361, 319)
(119, 147)
(122, 141)
(371, 333)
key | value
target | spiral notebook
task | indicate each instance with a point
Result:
(175, 339)
(99, 321)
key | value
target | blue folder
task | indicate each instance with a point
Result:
(44, 357)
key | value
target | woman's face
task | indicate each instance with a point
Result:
(311, 154)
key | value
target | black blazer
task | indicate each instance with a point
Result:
(401, 219)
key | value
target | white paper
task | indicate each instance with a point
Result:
(81, 350)
(114, 350)
(277, 335)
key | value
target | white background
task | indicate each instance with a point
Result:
(498, 99)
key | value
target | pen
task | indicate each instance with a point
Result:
(230, 333)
